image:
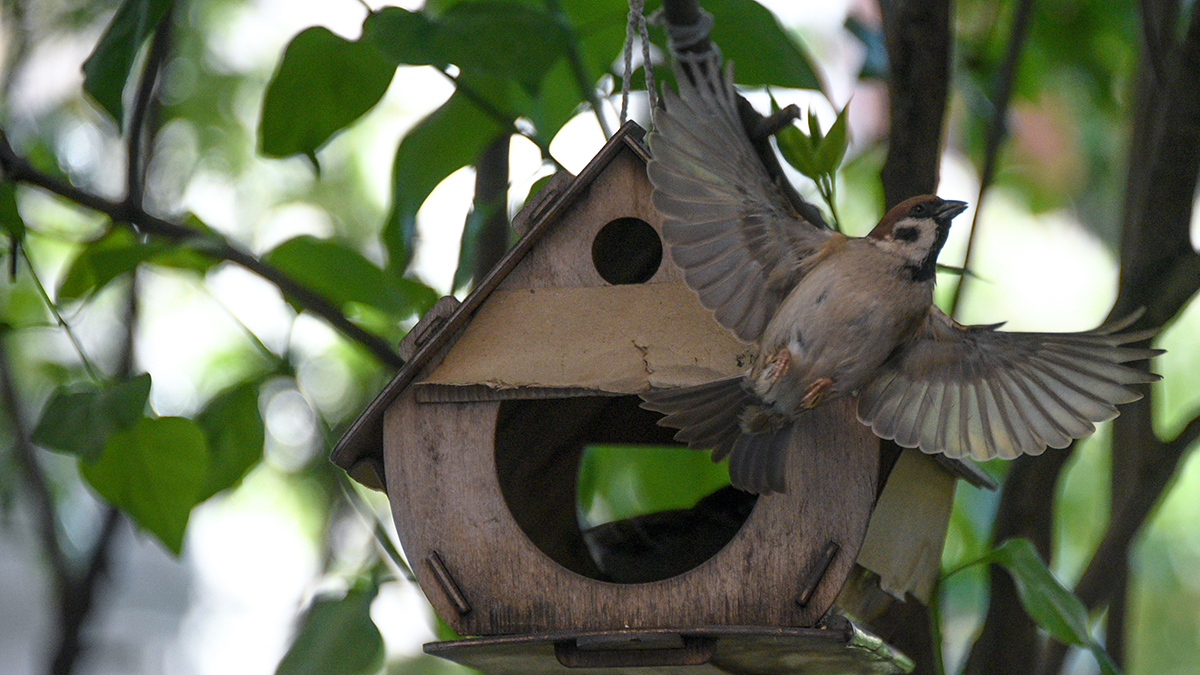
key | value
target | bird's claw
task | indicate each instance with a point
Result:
(779, 365)
(815, 391)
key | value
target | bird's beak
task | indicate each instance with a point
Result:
(949, 209)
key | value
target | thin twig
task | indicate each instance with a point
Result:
(141, 117)
(92, 371)
(33, 478)
(997, 131)
(579, 70)
(19, 170)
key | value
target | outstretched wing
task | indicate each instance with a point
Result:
(974, 390)
(727, 225)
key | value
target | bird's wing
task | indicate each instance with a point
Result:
(974, 390)
(728, 226)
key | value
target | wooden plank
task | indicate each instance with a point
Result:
(720, 650)
(616, 339)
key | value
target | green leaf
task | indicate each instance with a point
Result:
(323, 84)
(814, 128)
(11, 221)
(633, 480)
(403, 37)
(79, 420)
(797, 150)
(154, 472)
(1047, 601)
(233, 427)
(761, 50)
(107, 68)
(832, 148)
(448, 139)
(118, 252)
(502, 39)
(343, 275)
(102, 260)
(336, 637)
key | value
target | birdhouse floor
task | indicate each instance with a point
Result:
(719, 650)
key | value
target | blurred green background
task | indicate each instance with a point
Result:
(286, 526)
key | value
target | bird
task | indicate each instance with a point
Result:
(835, 316)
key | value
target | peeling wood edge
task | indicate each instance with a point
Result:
(365, 434)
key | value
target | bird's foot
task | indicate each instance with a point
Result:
(779, 365)
(815, 392)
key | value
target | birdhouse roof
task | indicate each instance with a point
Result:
(364, 438)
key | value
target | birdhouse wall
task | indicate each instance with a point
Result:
(485, 576)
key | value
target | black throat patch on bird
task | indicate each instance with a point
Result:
(926, 268)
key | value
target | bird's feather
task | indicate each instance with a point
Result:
(708, 417)
(985, 393)
(727, 225)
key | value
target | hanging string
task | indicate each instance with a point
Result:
(637, 23)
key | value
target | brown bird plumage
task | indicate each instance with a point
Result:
(837, 316)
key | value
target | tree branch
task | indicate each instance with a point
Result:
(1007, 644)
(1160, 272)
(917, 36)
(19, 170)
(997, 131)
(491, 197)
(579, 70)
(136, 151)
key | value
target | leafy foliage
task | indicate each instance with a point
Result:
(154, 471)
(518, 67)
(346, 277)
(816, 155)
(336, 637)
(107, 69)
(324, 83)
(1050, 604)
(233, 429)
(119, 252)
(80, 419)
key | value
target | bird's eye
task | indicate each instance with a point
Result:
(905, 233)
(918, 210)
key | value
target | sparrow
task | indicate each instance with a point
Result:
(837, 316)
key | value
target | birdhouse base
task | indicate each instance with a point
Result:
(720, 650)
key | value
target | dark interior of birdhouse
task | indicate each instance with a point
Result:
(541, 445)
(627, 251)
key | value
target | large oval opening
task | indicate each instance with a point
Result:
(605, 492)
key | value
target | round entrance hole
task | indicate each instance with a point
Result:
(627, 251)
(650, 510)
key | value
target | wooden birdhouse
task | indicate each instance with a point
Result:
(477, 442)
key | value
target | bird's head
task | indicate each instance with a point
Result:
(915, 229)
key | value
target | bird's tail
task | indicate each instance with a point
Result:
(709, 416)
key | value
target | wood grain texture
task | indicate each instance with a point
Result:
(446, 497)
(563, 257)
(616, 339)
